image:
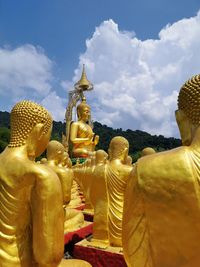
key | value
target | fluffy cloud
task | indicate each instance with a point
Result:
(137, 82)
(55, 105)
(25, 70)
(26, 73)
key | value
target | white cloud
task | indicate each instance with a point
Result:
(55, 105)
(137, 82)
(25, 71)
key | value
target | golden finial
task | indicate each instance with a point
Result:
(83, 83)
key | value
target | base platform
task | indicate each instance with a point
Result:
(109, 257)
(79, 234)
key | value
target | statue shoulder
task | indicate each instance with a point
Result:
(75, 123)
(165, 164)
(43, 171)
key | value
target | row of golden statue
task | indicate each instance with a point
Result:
(151, 208)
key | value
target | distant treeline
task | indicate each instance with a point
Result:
(137, 139)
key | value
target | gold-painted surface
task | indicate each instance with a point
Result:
(83, 82)
(56, 158)
(74, 219)
(162, 201)
(117, 174)
(147, 151)
(82, 136)
(104, 182)
(31, 210)
(75, 197)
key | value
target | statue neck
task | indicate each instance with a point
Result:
(22, 151)
(196, 140)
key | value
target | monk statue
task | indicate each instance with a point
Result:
(31, 210)
(106, 183)
(117, 174)
(162, 201)
(82, 136)
(56, 158)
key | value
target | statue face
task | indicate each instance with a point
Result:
(85, 114)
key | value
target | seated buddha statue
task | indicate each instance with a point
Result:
(31, 229)
(105, 184)
(162, 200)
(56, 157)
(82, 137)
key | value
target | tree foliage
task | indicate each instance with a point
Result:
(137, 139)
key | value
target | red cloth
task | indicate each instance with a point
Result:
(98, 257)
(81, 207)
(78, 234)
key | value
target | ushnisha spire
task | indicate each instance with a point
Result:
(83, 84)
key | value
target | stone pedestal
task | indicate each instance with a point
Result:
(109, 257)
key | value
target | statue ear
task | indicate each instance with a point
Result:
(40, 130)
(185, 127)
(37, 131)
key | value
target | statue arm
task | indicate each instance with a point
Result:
(135, 237)
(48, 219)
(73, 135)
(66, 180)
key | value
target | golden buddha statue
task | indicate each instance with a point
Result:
(105, 184)
(162, 202)
(117, 174)
(82, 136)
(31, 230)
(56, 158)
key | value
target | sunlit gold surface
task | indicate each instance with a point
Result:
(82, 136)
(83, 82)
(31, 210)
(105, 183)
(162, 204)
(56, 158)
(147, 151)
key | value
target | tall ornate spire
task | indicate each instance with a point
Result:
(83, 84)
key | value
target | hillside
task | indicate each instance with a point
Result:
(137, 139)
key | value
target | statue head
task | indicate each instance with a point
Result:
(188, 113)
(30, 125)
(55, 151)
(118, 148)
(83, 111)
(147, 151)
(101, 156)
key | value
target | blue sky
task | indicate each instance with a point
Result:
(43, 45)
